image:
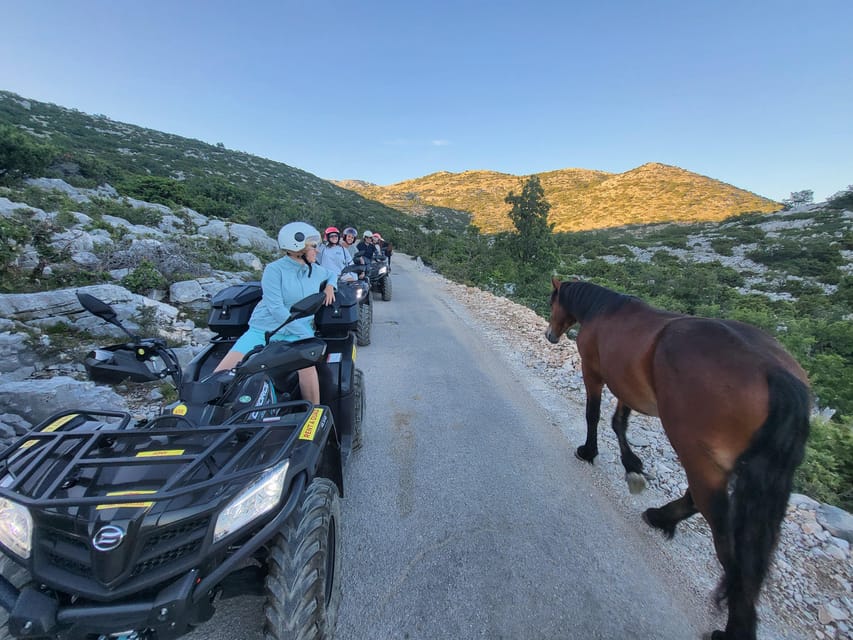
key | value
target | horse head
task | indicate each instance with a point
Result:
(561, 319)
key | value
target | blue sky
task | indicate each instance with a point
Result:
(756, 93)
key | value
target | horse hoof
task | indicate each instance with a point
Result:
(581, 454)
(636, 482)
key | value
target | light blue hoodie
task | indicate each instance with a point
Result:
(285, 282)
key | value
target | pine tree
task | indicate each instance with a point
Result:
(534, 243)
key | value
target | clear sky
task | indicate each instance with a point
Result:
(756, 93)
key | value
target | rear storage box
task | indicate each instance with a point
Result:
(339, 317)
(232, 307)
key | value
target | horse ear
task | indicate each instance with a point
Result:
(555, 282)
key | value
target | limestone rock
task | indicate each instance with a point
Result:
(837, 521)
(37, 400)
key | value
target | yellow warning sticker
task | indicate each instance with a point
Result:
(53, 426)
(141, 492)
(121, 505)
(310, 429)
(180, 410)
(353, 352)
(160, 454)
(131, 505)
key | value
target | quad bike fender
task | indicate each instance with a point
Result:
(337, 381)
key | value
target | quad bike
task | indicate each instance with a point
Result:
(134, 531)
(358, 290)
(380, 276)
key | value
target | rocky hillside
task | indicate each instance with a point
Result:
(580, 198)
(90, 150)
(159, 268)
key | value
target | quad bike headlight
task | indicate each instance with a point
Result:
(16, 528)
(383, 270)
(260, 497)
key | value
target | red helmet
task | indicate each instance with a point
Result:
(330, 230)
(376, 236)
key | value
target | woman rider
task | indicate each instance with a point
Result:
(333, 256)
(284, 282)
(348, 241)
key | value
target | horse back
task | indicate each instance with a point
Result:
(737, 350)
(711, 382)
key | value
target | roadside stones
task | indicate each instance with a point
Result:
(837, 521)
(829, 612)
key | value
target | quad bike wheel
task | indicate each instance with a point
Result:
(386, 288)
(358, 408)
(303, 580)
(365, 320)
(18, 576)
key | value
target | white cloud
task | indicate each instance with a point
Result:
(440, 143)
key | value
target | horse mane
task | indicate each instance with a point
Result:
(585, 300)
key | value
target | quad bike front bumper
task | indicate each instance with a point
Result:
(172, 612)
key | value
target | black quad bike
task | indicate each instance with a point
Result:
(358, 290)
(111, 529)
(379, 275)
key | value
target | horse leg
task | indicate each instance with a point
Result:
(589, 449)
(736, 589)
(668, 516)
(633, 465)
(740, 598)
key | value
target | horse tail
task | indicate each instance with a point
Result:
(761, 486)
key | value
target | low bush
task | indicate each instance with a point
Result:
(827, 471)
(144, 278)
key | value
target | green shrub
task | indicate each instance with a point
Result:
(144, 278)
(724, 246)
(22, 154)
(814, 257)
(157, 189)
(843, 200)
(827, 471)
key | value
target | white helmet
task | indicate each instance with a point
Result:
(367, 234)
(294, 235)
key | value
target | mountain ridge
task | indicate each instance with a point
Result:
(581, 199)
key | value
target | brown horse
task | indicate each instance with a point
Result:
(734, 404)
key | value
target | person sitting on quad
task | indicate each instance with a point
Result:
(366, 246)
(348, 240)
(333, 256)
(284, 282)
(383, 247)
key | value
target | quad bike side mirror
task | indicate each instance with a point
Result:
(308, 306)
(98, 308)
(101, 310)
